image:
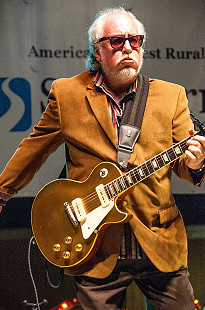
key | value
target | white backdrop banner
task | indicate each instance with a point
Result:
(44, 40)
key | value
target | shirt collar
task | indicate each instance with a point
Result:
(100, 83)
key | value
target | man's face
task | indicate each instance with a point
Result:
(123, 62)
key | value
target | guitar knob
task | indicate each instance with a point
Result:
(66, 254)
(78, 247)
(57, 247)
(103, 172)
(68, 240)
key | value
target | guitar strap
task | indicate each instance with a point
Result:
(130, 126)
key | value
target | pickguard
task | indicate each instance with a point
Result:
(94, 218)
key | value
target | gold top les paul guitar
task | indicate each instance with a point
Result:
(69, 217)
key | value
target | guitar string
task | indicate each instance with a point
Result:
(93, 197)
(135, 173)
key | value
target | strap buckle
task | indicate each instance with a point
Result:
(128, 136)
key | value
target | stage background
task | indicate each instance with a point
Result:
(42, 40)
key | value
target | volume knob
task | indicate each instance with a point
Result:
(78, 247)
(57, 247)
(68, 240)
(66, 254)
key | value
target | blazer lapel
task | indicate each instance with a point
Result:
(99, 106)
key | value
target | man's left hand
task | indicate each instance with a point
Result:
(196, 151)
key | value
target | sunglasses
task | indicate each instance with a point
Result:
(119, 41)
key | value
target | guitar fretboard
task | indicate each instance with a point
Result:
(144, 170)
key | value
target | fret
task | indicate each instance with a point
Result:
(154, 163)
(129, 179)
(165, 157)
(141, 172)
(126, 180)
(120, 185)
(108, 191)
(184, 145)
(146, 169)
(122, 182)
(116, 186)
(171, 154)
(112, 189)
(150, 167)
(135, 175)
(160, 161)
(177, 150)
(124, 177)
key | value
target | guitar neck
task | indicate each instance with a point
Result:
(144, 170)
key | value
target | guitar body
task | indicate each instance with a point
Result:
(68, 240)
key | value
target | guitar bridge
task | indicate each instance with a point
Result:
(70, 214)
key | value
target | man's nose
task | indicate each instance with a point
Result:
(127, 47)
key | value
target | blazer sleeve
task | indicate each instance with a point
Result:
(32, 151)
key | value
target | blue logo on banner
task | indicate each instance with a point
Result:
(22, 88)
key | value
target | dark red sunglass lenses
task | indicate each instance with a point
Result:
(135, 41)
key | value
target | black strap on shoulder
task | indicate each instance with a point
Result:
(130, 126)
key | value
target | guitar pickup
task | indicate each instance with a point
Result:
(79, 210)
(102, 195)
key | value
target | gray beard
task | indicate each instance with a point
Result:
(124, 74)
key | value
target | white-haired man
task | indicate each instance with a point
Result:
(85, 113)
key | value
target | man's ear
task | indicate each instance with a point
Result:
(97, 53)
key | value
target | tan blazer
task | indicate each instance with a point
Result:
(78, 115)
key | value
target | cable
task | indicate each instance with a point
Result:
(30, 270)
(61, 275)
